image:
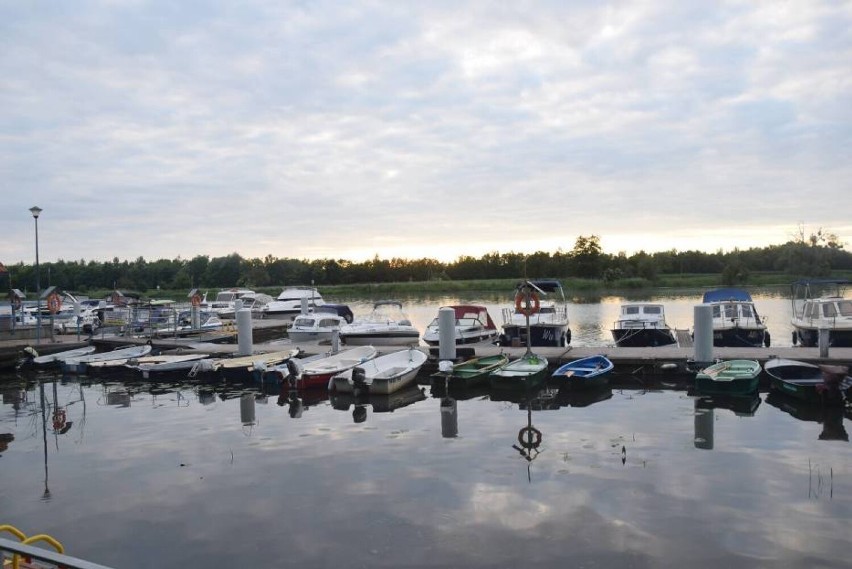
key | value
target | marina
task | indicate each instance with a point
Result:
(382, 448)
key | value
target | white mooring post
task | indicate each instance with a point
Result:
(703, 327)
(705, 420)
(245, 341)
(335, 340)
(446, 334)
(304, 305)
(823, 342)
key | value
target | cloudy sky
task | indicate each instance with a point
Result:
(349, 129)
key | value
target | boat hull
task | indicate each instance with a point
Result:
(584, 373)
(738, 337)
(541, 335)
(474, 372)
(643, 337)
(809, 337)
(525, 373)
(733, 377)
(381, 339)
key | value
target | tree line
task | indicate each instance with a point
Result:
(807, 255)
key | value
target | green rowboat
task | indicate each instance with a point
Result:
(474, 371)
(731, 377)
(527, 372)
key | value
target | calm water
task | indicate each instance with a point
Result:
(592, 318)
(196, 476)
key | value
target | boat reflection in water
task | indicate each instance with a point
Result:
(380, 403)
(830, 416)
(298, 401)
(705, 414)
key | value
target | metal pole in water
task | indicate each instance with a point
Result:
(245, 341)
(823, 342)
(446, 334)
(703, 327)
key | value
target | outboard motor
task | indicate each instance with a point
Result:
(359, 381)
(359, 414)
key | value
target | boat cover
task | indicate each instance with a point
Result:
(723, 294)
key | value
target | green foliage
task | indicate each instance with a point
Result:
(585, 267)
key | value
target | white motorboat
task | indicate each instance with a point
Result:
(386, 325)
(289, 303)
(820, 304)
(548, 319)
(382, 375)
(225, 302)
(315, 326)
(736, 323)
(473, 325)
(641, 325)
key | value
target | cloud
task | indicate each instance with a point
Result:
(145, 128)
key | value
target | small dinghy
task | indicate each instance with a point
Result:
(584, 373)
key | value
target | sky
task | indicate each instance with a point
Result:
(433, 129)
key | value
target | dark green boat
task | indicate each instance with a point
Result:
(527, 372)
(474, 371)
(796, 379)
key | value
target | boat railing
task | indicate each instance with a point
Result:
(17, 550)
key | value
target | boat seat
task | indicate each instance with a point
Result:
(390, 372)
(586, 369)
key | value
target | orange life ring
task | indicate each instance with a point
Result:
(54, 303)
(59, 420)
(527, 310)
(196, 300)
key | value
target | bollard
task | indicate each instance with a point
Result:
(449, 418)
(238, 305)
(446, 334)
(824, 341)
(304, 305)
(247, 409)
(195, 313)
(704, 425)
(245, 342)
(335, 340)
(703, 333)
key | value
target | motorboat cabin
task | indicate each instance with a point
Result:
(289, 303)
(386, 324)
(548, 324)
(473, 325)
(820, 304)
(642, 324)
(736, 323)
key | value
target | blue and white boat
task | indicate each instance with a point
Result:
(736, 323)
(584, 373)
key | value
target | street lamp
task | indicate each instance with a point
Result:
(35, 210)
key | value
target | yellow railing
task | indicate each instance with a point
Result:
(22, 537)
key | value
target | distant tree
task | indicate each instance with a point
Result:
(587, 257)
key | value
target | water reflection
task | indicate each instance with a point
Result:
(452, 489)
(406, 396)
(829, 416)
(705, 414)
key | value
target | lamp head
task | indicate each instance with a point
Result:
(35, 210)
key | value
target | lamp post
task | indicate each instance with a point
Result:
(35, 210)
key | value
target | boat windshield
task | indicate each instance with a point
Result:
(845, 308)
